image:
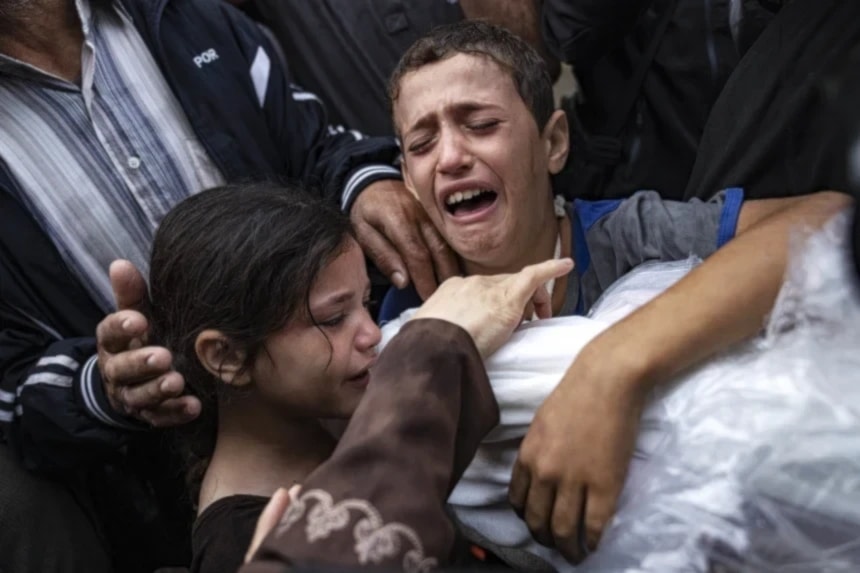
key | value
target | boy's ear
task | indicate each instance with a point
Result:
(220, 358)
(556, 137)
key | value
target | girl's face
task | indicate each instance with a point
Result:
(321, 370)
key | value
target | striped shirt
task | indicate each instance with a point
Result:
(117, 147)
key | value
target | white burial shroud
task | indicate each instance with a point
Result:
(750, 461)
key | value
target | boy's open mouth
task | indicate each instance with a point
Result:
(469, 201)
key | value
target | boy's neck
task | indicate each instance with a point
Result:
(541, 247)
(534, 247)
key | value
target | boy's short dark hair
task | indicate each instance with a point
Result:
(475, 37)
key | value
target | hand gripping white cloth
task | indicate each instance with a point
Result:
(751, 461)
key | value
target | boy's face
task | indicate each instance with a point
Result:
(474, 157)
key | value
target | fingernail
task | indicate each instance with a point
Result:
(150, 360)
(165, 386)
(126, 324)
(399, 279)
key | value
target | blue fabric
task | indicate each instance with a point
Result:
(584, 214)
(581, 254)
(396, 301)
(589, 212)
(729, 218)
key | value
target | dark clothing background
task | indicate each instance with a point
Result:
(59, 514)
(345, 50)
(640, 119)
(223, 532)
(640, 122)
(774, 129)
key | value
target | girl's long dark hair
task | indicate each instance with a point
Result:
(240, 259)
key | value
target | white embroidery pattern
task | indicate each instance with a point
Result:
(375, 540)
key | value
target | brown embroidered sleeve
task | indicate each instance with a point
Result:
(380, 499)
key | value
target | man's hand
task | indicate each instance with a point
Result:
(138, 379)
(573, 461)
(399, 238)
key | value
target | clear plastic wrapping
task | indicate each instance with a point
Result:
(758, 468)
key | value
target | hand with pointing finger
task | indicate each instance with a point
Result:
(137, 378)
(491, 307)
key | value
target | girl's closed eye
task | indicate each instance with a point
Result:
(339, 319)
(333, 322)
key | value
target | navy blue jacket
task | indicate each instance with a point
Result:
(61, 420)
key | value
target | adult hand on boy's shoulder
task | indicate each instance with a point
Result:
(573, 461)
(138, 379)
(396, 234)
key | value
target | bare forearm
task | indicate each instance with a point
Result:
(723, 301)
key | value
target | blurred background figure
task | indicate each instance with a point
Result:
(345, 50)
(773, 127)
(688, 97)
(649, 72)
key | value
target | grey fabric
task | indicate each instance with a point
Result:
(643, 228)
(53, 531)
